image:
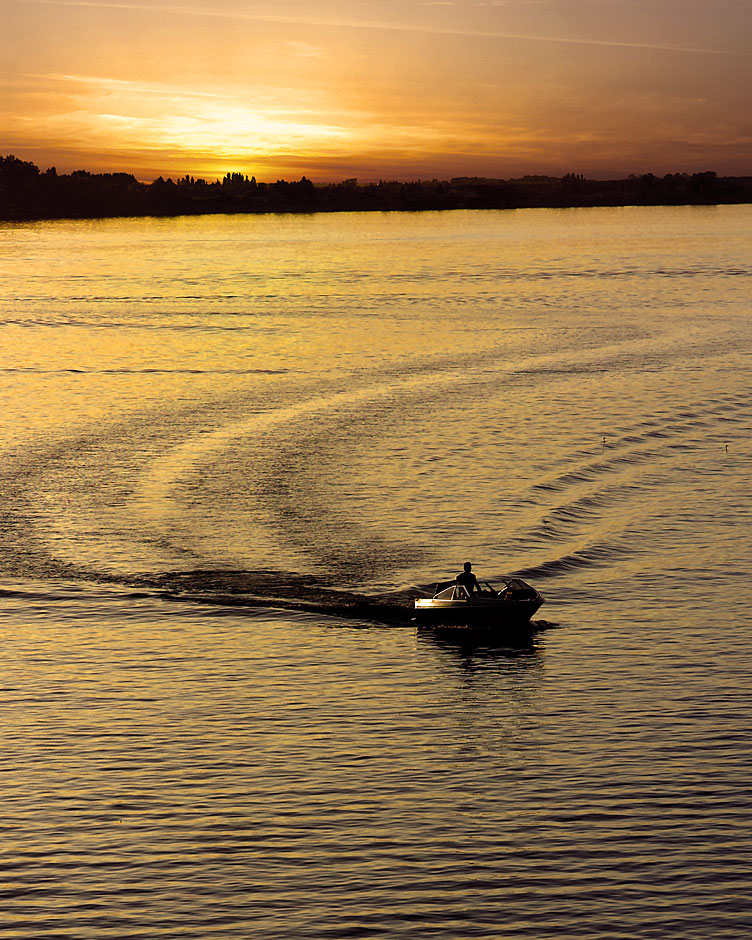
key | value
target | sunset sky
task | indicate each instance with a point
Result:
(385, 89)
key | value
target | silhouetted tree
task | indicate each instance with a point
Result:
(27, 194)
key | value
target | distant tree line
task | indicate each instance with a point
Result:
(27, 193)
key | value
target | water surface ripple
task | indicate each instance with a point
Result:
(241, 411)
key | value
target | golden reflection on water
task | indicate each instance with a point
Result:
(368, 401)
(285, 774)
(371, 396)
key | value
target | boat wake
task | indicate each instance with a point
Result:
(342, 496)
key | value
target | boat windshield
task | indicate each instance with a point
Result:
(455, 592)
(458, 592)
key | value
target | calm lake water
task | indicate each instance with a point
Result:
(366, 401)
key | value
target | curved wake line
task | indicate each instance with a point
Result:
(191, 452)
(636, 470)
(595, 556)
(150, 494)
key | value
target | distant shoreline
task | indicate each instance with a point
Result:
(27, 194)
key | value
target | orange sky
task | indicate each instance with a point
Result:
(384, 89)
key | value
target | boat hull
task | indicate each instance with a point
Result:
(489, 614)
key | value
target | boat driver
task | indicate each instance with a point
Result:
(468, 580)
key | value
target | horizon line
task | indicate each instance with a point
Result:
(370, 181)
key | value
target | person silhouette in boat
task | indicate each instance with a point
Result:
(468, 580)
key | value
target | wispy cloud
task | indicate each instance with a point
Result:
(344, 23)
(103, 83)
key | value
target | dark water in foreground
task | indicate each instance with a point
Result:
(364, 402)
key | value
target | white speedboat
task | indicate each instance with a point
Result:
(509, 605)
